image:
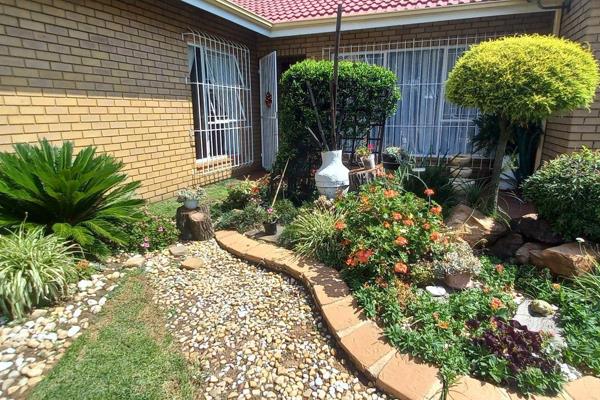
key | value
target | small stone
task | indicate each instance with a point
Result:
(32, 343)
(38, 313)
(192, 263)
(84, 284)
(541, 307)
(95, 309)
(73, 331)
(134, 262)
(4, 365)
(436, 291)
(62, 334)
(31, 371)
(178, 250)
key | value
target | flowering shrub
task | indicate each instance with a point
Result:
(458, 259)
(385, 230)
(239, 195)
(151, 233)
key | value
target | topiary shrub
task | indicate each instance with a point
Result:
(34, 268)
(566, 192)
(366, 94)
(520, 79)
(84, 198)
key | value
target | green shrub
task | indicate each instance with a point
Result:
(366, 94)
(313, 233)
(286, 210)
(152, 232)
(566, 192)
(34, 269)
(241, 220)
(82, 198)
(386, 230)
(240, 194)
(520, 79)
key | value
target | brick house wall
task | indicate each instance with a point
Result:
(312, 46)
(110, 74)
(581, 127)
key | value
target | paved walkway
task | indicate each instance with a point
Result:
(255, 333)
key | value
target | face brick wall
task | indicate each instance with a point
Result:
(312, 45)
(581, 127)
(110, 74)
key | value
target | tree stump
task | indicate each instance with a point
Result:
(194, 224)
(359, 177)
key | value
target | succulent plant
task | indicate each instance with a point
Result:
(459, 259)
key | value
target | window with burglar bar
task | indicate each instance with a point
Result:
(425, 124)
(219, 76)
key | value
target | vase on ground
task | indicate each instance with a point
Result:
(333, 176)
(190, 204)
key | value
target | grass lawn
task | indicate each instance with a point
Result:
(215, 192)
(126, 354)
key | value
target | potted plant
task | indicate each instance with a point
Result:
(191, 197)
(366, 157)
(458, 266)
(393, 157)
(270, 218)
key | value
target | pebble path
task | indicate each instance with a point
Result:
(254, 333)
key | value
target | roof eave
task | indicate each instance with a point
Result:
(243, 17)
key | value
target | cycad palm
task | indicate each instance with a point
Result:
(83, 198)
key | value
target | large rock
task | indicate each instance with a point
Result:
(474, 227)
(522, 254)
(135, 262)
(569, 259)
(507, 245)
(532, 227)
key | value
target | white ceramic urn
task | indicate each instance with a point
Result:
(332, 178)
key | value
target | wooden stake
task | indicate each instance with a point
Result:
(334, 81)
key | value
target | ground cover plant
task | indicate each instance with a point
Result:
(391, 244)
(562, 182)
(126, 355)
(84, 198)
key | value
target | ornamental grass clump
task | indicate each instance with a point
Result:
(34, 269)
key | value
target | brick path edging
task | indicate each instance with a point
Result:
(394, 373)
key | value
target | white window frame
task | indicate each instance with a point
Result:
(222, 101)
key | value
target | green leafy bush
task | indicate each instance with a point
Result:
(82, 198)
(385, 230)
(152, 232)
(566, 192)
(286, 210)
(248, 218)
(366, 94)
(520, 79)
(34, 269)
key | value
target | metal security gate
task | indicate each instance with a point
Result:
(268, 109)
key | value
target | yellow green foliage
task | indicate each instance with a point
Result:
(524, 78)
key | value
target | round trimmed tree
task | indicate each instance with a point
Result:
(520, 79)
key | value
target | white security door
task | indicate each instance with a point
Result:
(268, 109)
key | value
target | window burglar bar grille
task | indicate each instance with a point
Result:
(219, 76)
(425, 124)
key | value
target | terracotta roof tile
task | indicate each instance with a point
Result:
(297, 10)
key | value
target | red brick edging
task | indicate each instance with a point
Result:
(394, 373)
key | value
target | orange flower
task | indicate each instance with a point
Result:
(426, 226)
(496, 304)
(485, 290)
(556, 286)
(390, 175)
(400, 268)
(255, 189)
(373, 189)
(345, 242)
(379, 173)
(429, 192)
(397, 216)
(351, 262)
(340, 225)
(364, 200)
(386, 224)
(436, 210)
(401, 241)
(390, 194)
(436, 315)
(362, 256)
(499, 268)
(443, 325)
(408, 222)
(435, 236)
